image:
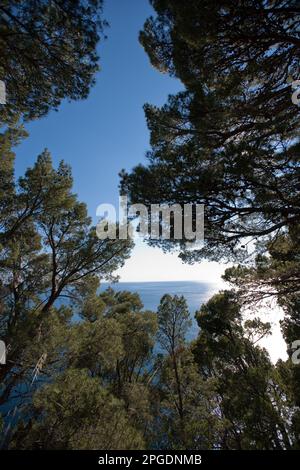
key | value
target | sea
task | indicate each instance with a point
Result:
(195, 292)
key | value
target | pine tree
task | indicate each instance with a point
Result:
(255, 403)
(230, 139)
(48, 53)
(187, 406)
(49, 252)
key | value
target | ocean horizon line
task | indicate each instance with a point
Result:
(160, 282)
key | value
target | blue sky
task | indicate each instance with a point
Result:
(107, 132)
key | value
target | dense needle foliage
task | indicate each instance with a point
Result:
(91, 369)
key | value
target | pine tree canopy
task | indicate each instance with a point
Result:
(230, 139)
(89, 367)
(48, 53)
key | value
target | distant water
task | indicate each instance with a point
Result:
(195, 292)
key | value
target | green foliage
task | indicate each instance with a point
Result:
(188, 417)
(230, 140)
(186, 404)
(253, 399)
(76, 412)
(86, 374)
(92, 370)
(49, 252)
(174, 322)
(91, 390)
(48, 53)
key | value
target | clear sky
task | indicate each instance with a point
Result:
(107, 132)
